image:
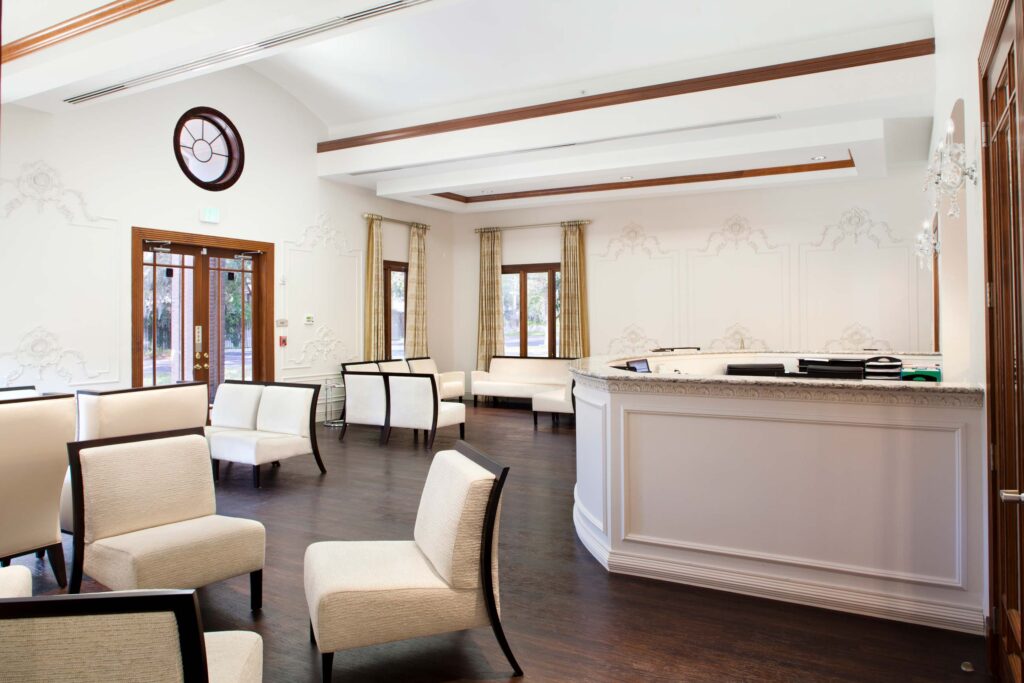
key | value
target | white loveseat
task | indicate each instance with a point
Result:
(514, 377)
(556, 401)
(398, 399)
(449, 384)
(255, 423)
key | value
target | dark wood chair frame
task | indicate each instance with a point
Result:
(385, 430)
(312, 426)
(183, 603)
(55, 552)
(75, 449)
(26, 387)
(500, 473)
(495, 398)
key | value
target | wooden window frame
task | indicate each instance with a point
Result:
(522, 270)
(263, 293)
(389, 268)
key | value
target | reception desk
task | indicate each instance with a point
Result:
(863, 496)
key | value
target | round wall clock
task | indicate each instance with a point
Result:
(208, 148)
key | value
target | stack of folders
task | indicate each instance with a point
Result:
(883, 368)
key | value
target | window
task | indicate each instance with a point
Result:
(531, 308)
(208, 148)
(395, 274)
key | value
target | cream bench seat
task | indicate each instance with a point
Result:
(255, 423)
(556, 401)
(514, 377)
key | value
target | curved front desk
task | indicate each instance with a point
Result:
(862, 496)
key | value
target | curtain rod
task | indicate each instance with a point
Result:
(395, 220)
(532, 225)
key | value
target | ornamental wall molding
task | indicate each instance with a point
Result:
(948, 397)
(633, 240)
(323, 346)
(40, 184)
(856, 225)
(738, 338)
(857, 338)
(40, 351)
(323, 233)
(632, 340)
(737, 232)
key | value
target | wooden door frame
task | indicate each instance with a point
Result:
(263, 312)
(522, 270)
(998, 17)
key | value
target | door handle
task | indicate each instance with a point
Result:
(1011, 496)
(204, 366)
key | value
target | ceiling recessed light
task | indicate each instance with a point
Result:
(486, 191)
(819, 157)
(626, 177)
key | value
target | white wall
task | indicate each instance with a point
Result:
(74, 184)
(959, 30)
(827, 266)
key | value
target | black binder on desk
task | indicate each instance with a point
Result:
(835, 372)
(755, 369)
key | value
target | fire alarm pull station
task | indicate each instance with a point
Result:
(282, 341)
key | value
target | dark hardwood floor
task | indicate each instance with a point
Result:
(566, 618)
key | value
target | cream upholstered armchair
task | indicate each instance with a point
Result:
(146, 516)
(34, 433)
(15, 582)
(449, 384)
(122, 412)
(11, 393)
(393, 366)
(154, 636)
(255, 423)
(366, 400)
(415, 404)
(368, 592)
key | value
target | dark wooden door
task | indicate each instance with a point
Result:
(1000, 72)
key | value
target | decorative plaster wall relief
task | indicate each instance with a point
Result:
(41, 184)
(738, 338)
(632, 340)
(854, 225)
(40, 351)
(631, 240)
(857, 338)
(322, 233)
(737, 232)
(324, 346)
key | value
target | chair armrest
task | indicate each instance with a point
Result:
(453, 376)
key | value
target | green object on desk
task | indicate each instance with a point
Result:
(921, 374)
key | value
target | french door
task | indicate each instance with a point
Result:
(200, 310)
(1000, 71)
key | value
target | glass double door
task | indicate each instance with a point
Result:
(197, 315)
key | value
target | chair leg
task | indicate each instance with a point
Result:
(40, 553)
(462, 430)
(327, 666)
(216, 469)
(319, 461)
(6, 562)
(433, 434)
(499, 634)
(276, 463)
(255, 476)
(385, 434)
(415, 436)
(341, 434)
(461, 399)
(535, 420)
(55, 553)
(474, 400)
(256, 590)
(312, 636)
(554, 419)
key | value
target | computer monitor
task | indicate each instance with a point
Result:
(639, 365)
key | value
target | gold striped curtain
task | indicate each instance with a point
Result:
(490, 331)
(573, 324)
(374, 342)
(416, 293)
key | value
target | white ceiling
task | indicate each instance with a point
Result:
(475, 50)
(450, 58)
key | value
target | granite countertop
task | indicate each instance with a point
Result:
(599, 368)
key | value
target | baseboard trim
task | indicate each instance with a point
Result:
(868, 603)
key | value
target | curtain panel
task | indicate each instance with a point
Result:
(490, 330)
(416, 294)
(573, 324)
(374, 342)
